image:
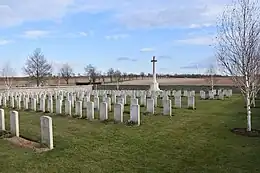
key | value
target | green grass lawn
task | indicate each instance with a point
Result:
(190, 141)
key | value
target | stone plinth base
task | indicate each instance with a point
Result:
(154, 87)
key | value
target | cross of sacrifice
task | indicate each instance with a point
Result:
(154, 61)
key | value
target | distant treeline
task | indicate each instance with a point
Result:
(131, 75)
(187, 75)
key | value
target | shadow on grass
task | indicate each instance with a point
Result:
(152, 114)
(126, 112)
(5, 134)
(241, 114)
(130, 123)
(256, 107)
(107, 121)
(244, 132)
(30, 139)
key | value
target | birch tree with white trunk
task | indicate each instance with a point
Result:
(211, 79)
(7, 72)
(238, 46)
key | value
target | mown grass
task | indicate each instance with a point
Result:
(190, 141)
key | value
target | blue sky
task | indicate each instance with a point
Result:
(111, 33)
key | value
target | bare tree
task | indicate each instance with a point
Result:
(238, 44)
(91, 72)
(37, 67)
(118, 75)
(130, 76)
(142, 74)
(124, 75)
(111, 73)
(7, 72)
(66, 72)
(58, 79)
(211, 78)
(103, 76)
(99, 75)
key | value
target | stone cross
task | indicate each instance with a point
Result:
(154, 86)
(154, 71)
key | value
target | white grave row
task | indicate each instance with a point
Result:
(30, 101)
(81, 100)
(115, 96)
(215, 94)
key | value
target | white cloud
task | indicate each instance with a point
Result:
(147, 49)
(198, 40)
(14, 12)
(126, 59)
(35, 34)
(168, 13)
(85, 34)
(200, 25)
(133, 14)
(116, 36)
(4, 42)
(57, 64)
(74, 34)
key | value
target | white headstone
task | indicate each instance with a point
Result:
(150, 106)
(58, 106)
(191, 102)
(211, 95)
(221, 95)
(34, 104)
(143, 99)
(42, 104)
(167, 107)
(202, 95)
(118, 112)
(155, 100)
(4, 101)
(113, 98)
(47, 131)
(134, 101)
(90, 110)
(2, 120)
(177, 100)
(135, 114)
(103, 111)
(50, 105)
(79, 109)
(96, 103)
(26, 103)
(68, 107)
(121, 100)
(12, 102)
(18, 103)
(108, 101)
(14, 123)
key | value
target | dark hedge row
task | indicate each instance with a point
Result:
(197, 88)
